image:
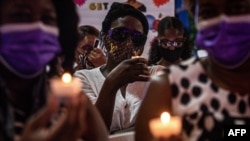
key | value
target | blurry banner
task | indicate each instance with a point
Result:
(92, 12)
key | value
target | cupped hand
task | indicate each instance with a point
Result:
(69, 126)
(129, 71)
(97, 57)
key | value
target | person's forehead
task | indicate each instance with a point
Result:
(173, 31)
(129, 22)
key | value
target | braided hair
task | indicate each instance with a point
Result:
(167, 23)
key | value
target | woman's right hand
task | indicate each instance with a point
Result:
(129, 71)
(69, 126)
(97, 57)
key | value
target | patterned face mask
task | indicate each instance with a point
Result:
(119, 51)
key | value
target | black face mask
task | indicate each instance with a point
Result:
(171, 55)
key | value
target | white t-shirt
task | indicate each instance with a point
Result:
(125, 109)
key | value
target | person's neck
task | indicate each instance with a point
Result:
(166, 63)
(232, 79)
(20, 94)
(107, 68)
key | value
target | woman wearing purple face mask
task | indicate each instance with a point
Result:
(114, 87)
(29, 41)
(209, 95)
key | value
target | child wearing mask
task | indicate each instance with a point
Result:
(171, 45)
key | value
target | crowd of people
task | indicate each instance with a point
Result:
(121, 90)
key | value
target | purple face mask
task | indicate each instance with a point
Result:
(27, 48)
(226, 39)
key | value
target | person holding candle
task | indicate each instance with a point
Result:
(210, 93)
(123, 35)
(29, 41)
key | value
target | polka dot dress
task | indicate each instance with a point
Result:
(205, 108)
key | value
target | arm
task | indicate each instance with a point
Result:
(96, 128)
(87, 87)
(126, 72)
(157, 99)
(78, 118)
(104, 102)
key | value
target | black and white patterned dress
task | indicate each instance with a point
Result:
(204, 107)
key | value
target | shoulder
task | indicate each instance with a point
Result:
(87, 72)
(190, 64)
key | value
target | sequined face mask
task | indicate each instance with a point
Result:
(120, 50)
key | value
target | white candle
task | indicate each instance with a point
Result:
(67, 86)
(165, 126)
(135, 57)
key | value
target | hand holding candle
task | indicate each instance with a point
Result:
(165, 126)
(67, 86)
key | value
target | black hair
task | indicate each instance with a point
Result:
(87, 30)
(67, 23)
(121, 10)
(190, 5)
(81, 61)
(167, 23)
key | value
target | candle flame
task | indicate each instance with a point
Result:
(135, 54)
(165, 117)
(66, 78)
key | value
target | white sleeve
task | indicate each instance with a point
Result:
(88, 85)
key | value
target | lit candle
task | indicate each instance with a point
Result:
(165, 126)
(67, 86)
(135, 55)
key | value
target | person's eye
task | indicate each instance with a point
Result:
(49, 18)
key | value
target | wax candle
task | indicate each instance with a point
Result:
(165, 126)
(67, 86)
(136, 55)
